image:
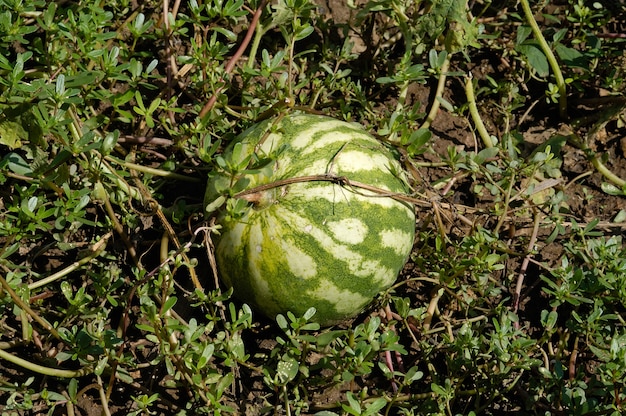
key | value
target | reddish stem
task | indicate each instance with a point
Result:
(233, 60)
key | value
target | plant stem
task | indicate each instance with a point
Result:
(23, 306)
(478, 122)
(434, 109)
(48, 371)
(554, 64)
(103, 397)
(259, 32)
(95, 252)
(507, 201)
(405, 62)
(152, 171)
(596, 161)
(606, 172)
(233, 60)
(522, 273)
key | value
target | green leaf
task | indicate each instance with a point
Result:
(413, 374)
(535, 57)
(206, 355)
(282, 321)
(611, 189)
(101, 366)
(215, 204)
(154, 105)
(438, 390)
(303, 32)
(571, 57)
(486, 154)
(109, 142)
(287, 369)
(72, 389)
(224, 383)
(169, 304)
(549, 319)
(60, 85)
(523, 32)
(354, 407)
(239, 159)
(12, 134)
(309, 313)
(375, 406)
(418, 141)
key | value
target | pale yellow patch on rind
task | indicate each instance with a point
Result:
(299, 263)
(357, 264)
(345, 301)
(319, 135)
(356, 160)
(348, 230)
(257, 254)
(397, 240)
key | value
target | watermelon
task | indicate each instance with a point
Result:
(305, 240)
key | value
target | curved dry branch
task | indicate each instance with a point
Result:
(252, 194)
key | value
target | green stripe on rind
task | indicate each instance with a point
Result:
(281, 260)
(318, 243)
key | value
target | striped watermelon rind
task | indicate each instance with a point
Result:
(314, 243)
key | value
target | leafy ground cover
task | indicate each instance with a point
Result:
(510, 118)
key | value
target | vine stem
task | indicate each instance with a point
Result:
(47, 371)
(473, 109)
(554, 64)
(596, 161)
(606, 172)
(233, 60)
(434, 109)
(522, 273)
(24, 307)
(152, 171)
(252, 195)
(96, 250)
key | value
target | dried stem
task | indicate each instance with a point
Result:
(522, 273)
(23, 306)
(252, 194)
(233, 60)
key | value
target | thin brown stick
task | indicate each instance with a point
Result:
(572, 360)
(157, 141)
(340, 180)
(611, 35)
(522, 273)
(23, 306)
(251, 194)
(233, 60)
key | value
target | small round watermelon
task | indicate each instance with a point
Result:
(312, 241)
